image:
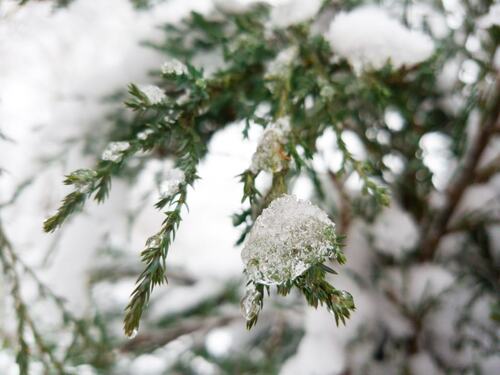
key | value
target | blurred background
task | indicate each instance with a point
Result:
(61, 72)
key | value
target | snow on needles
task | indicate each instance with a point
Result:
(154, 94)
(269, 155)
(173, 179)
(288, 238)
(369, 38)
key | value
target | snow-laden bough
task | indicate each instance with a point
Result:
(288, 238)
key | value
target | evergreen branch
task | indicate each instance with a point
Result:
(314, 287)
(372, 189)
(71, 203)
(148, 341)
(317, 291)
(8, 258)
(158, 245)
(154, 272)
(250, 192)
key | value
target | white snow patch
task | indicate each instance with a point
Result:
(394, 232)
(154, 94)
(492, 18)
(293, 12)
(369, 38)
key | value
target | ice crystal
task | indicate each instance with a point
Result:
(250, 303)
(270, 155)
(114, 151)
(173, 178)
(174, 67)
(368, 38)
(153, 242)
(288, 238)
(154, 94)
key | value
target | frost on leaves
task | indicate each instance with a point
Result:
(288, 238)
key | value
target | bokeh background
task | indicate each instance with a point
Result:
(60, 71)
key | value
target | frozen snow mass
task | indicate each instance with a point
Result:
(269, 155)
(288, 238)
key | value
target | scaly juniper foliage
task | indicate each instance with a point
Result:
(319, 92)
(197, 105)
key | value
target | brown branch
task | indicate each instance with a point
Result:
(345, 203)
(466, 224)
(463, 179)
(148, 341)
(124, 268)
(484, 174)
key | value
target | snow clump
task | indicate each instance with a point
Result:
(114, 151)
(173, 179)
(174, 67)
(369, 38)
(270, 155)
(288, 238)
(153, 94)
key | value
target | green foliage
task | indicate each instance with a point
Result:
(317, 94)
(87, 345)
(178, 123)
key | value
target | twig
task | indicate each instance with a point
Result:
(23, 317)
(486, 173)
(464, 178)
(345, 203)
(151, 340)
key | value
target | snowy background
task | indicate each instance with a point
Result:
(56, 67)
